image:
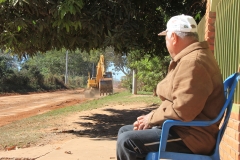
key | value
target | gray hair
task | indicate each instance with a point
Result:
(187, 34)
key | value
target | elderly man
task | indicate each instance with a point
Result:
(192, 90)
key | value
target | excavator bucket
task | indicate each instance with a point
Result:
(105, 86)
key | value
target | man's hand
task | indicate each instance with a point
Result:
(142, 122)
(135, 125)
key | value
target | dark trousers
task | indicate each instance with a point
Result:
(134, 145)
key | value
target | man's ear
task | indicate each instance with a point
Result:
(174, 38)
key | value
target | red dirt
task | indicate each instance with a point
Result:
(16, 107)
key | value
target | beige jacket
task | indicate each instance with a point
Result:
(192, 90)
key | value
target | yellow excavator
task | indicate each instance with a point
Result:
(102, 83)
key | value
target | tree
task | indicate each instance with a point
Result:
(28, 26)
(8, 63)
(53, 63)
(118, 61)
(151, 70)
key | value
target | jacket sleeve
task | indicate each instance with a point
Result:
(191, 86)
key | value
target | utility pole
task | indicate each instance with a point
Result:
(66, 73)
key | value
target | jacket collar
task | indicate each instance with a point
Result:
(191, 48)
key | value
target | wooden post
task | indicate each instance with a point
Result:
(66, 70)
(134, 82)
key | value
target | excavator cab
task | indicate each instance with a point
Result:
(108, 75)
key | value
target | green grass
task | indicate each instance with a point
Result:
(31, 130)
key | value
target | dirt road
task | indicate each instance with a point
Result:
(16, 107)
(77, 134)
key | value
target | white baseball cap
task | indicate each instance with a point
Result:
(181, 23)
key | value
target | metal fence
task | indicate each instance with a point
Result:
(227, 39)
(201, 29)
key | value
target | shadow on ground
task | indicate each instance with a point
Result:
(107, 126)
